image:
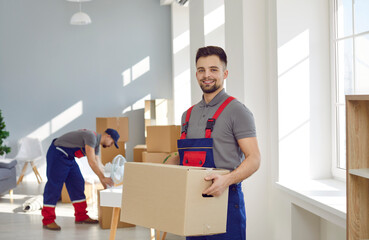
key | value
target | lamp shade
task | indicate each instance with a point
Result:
(78, 0)
(80, 18)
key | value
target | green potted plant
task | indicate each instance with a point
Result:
(3, 135)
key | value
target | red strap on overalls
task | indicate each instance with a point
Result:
(211, 121)
(185, 125)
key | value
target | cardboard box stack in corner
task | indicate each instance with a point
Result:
(137, 152)
(161, 142)
(108, 154)
(161, 137)
(169, 198)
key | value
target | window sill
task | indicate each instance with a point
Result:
(325, 198)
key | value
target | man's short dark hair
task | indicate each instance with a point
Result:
(212, 50)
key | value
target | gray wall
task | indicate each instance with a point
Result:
(48, 65)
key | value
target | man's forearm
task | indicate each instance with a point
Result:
(248, 167)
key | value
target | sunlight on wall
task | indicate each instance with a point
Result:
(42, 132)
(140, 68)
(293, 52)
(182, 91)
(139, 104)
(214, 19)
(126, 75)
(294, 107)
(362, 64)
(181, 62)
(66, 117)
(58, 122)
(180, 42)
(136, 71)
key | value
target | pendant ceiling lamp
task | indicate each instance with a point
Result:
(80, 18)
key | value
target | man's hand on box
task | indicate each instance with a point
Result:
(220, 183)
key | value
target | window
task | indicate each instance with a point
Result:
(351, 68)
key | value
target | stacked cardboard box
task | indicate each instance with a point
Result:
(137, 152)
(161, 143)
(121, 125)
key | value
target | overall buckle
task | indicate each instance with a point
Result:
(185, 127)
(210, 124)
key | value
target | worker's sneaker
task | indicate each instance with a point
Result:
(87, 221)
(52, 226)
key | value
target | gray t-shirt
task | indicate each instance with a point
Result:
(235, 122)
(78, 139)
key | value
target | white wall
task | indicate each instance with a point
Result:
(304, 85)
(48, 66)
(300, 87)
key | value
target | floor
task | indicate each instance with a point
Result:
(16, 224)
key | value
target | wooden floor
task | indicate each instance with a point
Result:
(15, 224)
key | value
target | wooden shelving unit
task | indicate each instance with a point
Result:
(357, 152)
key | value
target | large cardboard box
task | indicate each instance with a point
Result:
(156, 157)
(89, 192)
(105, 214)
(137, 152)
(163, 138)
(169, 198)
(108, 154)
(118, 123)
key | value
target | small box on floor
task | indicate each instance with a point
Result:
(169, 198)
(137, 152)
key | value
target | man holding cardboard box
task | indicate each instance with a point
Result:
(62, 167)
(219, 131)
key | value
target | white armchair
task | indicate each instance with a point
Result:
(30, 150)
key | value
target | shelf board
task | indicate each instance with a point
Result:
(363, 172)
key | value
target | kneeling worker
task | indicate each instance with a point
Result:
(62, 168)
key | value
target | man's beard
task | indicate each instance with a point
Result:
(209, 90)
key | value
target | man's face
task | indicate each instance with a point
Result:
(108, 142)
(210, 73)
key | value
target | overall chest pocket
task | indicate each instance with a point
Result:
(194, 158)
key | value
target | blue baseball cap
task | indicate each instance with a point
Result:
(114, 135)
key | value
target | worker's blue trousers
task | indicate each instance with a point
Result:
(61, 167)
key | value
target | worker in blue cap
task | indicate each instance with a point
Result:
(62, 168)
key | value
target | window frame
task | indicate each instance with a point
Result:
(337, 171)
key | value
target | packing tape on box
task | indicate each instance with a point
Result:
(209, 171)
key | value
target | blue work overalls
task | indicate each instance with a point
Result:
(62, 168)
(199, 152)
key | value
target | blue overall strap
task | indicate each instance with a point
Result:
(211, 121)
